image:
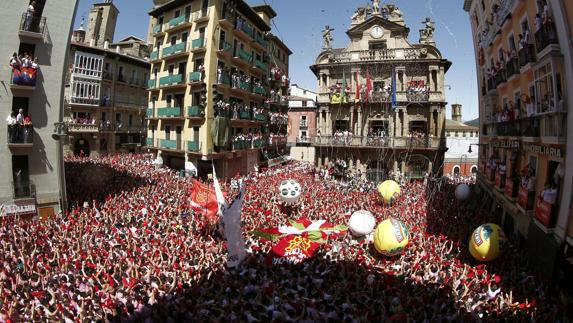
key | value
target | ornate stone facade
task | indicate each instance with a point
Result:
(381, 100)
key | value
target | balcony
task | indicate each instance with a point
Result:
(303, 125)
(195, 77)
(241, 144)
(19, 136)
(261, 117)
(245, 56)
(377, 142)
(224, 79)
(154, 55)
(149, 142)
(170, 112)
(171, 81)
(149, 113)
(225, 49)
(169, 144)
(244, 31)
(545, 36)
(201, 16)
(32, 27)
(504, 11)
(554, 127)
(171, 51)
(545, 213)
(198, 45)
(526, 55)
(245, 115)
(527, 127)
(260, 90)
(151, 84)
(261, 41)
(262, 66)
(83, 128)
(193, 146)
(388, 54)
(195, 111)
(512, 67)
(158, 29)
(178, 23)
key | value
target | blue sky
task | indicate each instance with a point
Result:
(300, 23)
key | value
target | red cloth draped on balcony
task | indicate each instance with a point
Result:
(24, 76)
(204, 200)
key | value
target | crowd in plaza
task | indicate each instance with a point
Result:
(131, 249)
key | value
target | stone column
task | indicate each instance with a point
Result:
(319, 162)
(326, 161)
(395, 166)
(430, 166)
(352, 128)
(403, 167)
(328, 123)
(359, 129)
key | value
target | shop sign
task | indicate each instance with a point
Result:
(13, 209)
(543, 212)
(509, 144)
(544, 150)
(522, 197)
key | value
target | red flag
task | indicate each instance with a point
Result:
(204, 200)
(368, 86)
(357, 88)
(292, 249)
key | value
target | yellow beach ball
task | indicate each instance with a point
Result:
(391, 237)
(389, 190)
(486, 242)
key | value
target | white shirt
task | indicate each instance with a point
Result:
(550, 195)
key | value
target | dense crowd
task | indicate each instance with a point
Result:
(132, 250)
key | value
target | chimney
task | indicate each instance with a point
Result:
(106, 44)
(457, 112)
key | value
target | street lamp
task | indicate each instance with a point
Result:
(471, 151)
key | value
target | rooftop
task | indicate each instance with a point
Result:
(456, 125)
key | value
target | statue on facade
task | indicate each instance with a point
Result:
(327, 37)
(394, 13)
(429, 28)
(427, 34)
(359, 16)
(375, 7)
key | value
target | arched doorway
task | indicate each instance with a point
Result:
(456, 170)
(82, 146)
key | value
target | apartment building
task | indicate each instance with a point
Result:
(524, 63)
(302, 123)
(211, 94)
(34, 46)
(106, 88)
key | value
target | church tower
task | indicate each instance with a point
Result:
(102, 20)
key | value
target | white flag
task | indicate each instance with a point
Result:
(219, 193)
(232, 225)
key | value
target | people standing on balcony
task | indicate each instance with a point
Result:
(20, 117)
(29, 24)
(546, 14)
(538, 21)
(549, 193)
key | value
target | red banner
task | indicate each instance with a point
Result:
(543, 212)
(204, 200)
(497, 179)
(292, 249)
(509, 187)
(522, 197)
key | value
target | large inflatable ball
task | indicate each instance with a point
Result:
(361, 223)
(391, 237)
(486, 242)
(290, 191)
(462, 192)
(389, 190)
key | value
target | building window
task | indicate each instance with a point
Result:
(456, 170)
(474, 169)
(544, 88)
